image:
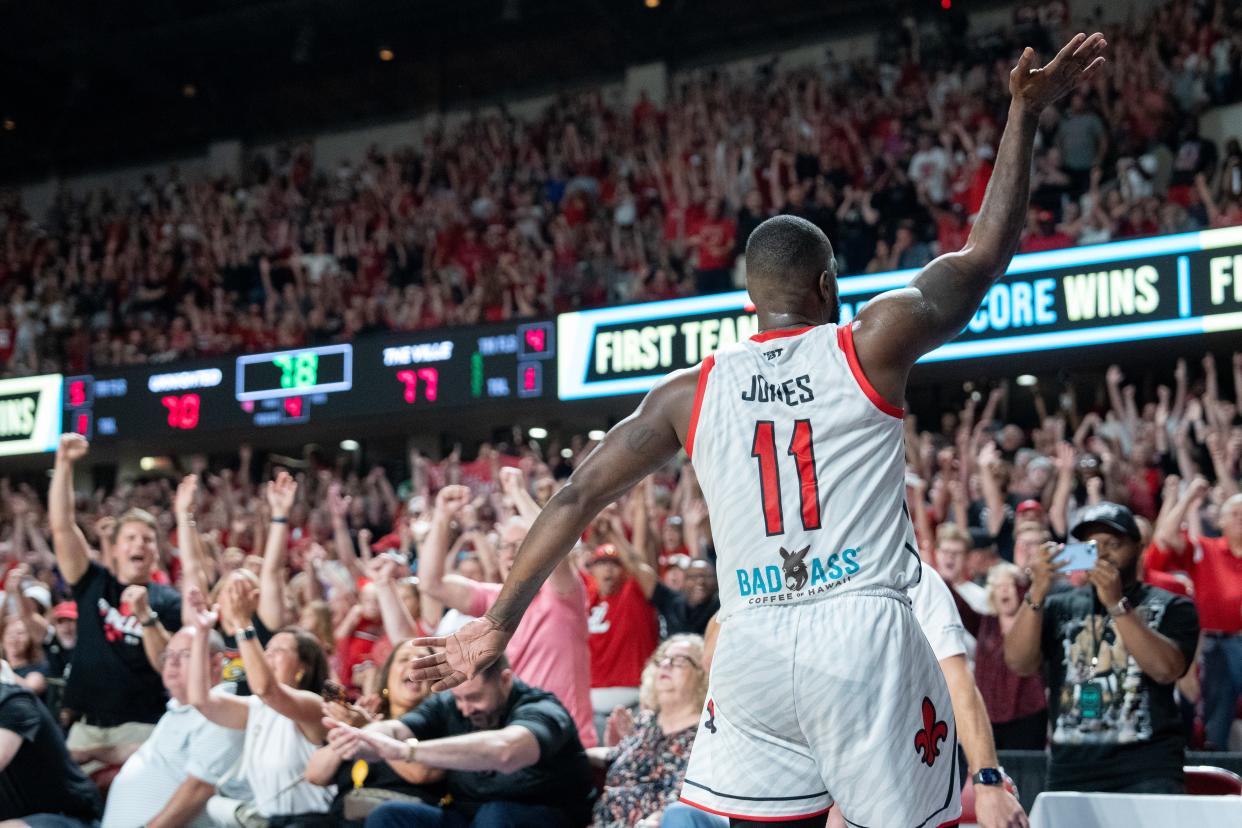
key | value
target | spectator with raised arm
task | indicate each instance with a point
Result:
(1214, 566)
(168, 781)
(621, 622)
(282, 720)
(549, 649)
(123, 623)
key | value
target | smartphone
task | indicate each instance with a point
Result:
(1078, 556)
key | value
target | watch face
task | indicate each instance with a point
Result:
(989, 776)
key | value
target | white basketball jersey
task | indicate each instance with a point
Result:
(803, 467)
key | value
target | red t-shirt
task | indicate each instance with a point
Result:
(718, 234)
(358, 648)
(622, 634)
(1217, 576)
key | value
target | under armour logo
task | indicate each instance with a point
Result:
(796, 574)
(927, 741)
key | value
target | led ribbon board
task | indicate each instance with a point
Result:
(1189, 283)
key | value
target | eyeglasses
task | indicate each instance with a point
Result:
(678, 661)
(174, 657)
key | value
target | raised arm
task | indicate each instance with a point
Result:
(193, 566)
(338, 506)
(452, 590)
(223, 709)
(72, 557)
(898, 327)
(280, 494)
(634, 448)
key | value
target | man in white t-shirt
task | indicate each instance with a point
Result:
(168, 781)
(930, 168)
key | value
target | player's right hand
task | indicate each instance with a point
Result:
(72, 447)
(461, 656)
(1077, 62)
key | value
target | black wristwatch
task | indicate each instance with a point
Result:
(988, 776)
(247, 633)
(151, 620)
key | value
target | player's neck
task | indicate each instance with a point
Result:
(782, 321)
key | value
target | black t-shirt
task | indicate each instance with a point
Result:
(110, 677)
(1112, 725)
(41, 778)
(379, 775)
(560, 779)
(234, 669)
(670, 607)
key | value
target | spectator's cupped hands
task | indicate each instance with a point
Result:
(620, 724)
(1077, 62)
(238, 601)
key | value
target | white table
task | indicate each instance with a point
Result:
(1107, 810)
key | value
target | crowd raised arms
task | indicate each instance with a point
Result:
(591, 203)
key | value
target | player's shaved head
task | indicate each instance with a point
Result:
(786, 261)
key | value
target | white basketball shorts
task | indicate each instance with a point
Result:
(838, 701)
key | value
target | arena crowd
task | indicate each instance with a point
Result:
(592, 202)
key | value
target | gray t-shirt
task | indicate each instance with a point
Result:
(1079, 138)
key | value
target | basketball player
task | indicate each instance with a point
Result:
(823, 687)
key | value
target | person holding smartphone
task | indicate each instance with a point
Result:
(1111, 651)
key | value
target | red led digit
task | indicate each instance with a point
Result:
(410, 379)
(431, 382)
(84, 423)
(77, 393)
(529, 378)
(293, 406)
(182, 410)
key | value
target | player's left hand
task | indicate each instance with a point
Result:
(1106, 579)
(1077, 62)
(460, 656)
(997, 808)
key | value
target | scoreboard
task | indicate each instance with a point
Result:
(372, 377)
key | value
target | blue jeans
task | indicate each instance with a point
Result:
(1222, 684)
(491, 815)
(680, 815)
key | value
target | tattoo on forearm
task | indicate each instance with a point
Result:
(639, 437)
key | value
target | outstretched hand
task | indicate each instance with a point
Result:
(461, 656)
(1076, 63)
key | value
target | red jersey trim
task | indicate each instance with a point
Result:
(749, 818)
(705, 368)
(779, 333)
(845, 339)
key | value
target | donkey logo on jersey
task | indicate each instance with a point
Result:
(796, 574)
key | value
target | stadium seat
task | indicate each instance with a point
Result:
(1205, 780)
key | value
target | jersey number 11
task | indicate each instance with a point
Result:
(801, 449)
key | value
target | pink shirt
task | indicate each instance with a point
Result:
(549, 649)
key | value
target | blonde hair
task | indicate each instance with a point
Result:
(134, 515)
(646, 693)
(953, 532)
(996, 574)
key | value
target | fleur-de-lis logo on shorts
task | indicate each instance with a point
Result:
(927, 741)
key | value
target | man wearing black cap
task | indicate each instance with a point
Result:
(1112, 650)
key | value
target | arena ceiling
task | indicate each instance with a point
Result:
(85, 84)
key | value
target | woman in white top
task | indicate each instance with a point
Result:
(282, 719)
